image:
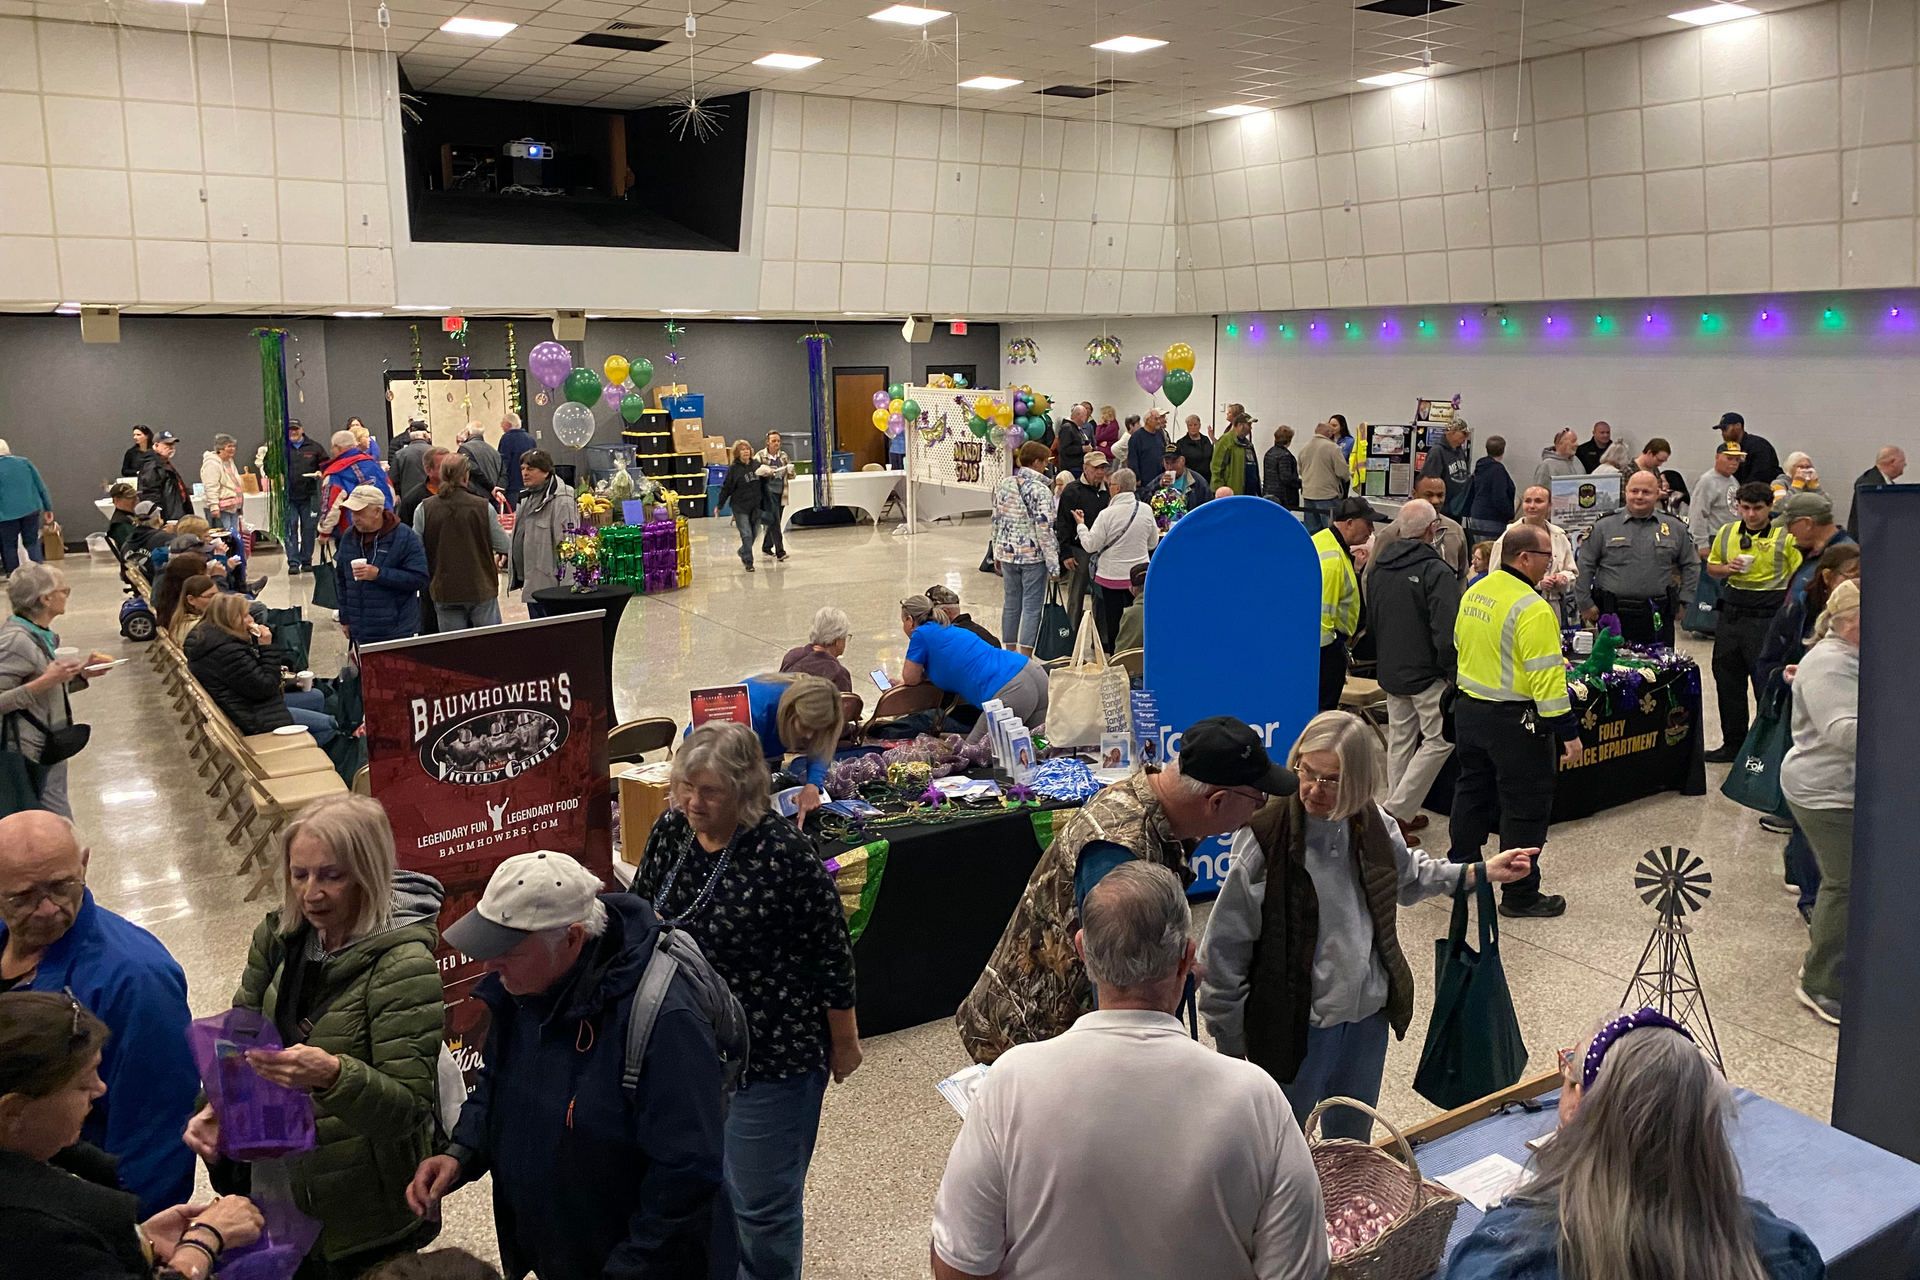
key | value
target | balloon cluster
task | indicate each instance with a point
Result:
(551, 365)
(1025, 415)
(1172, 373)
(893, 413)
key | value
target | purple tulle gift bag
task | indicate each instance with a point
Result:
(288, 1238)
(258, 1118)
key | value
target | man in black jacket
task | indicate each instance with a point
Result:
(160, 484)
(1072, 439)
(304, 459)
(1087, 495)
(1597, 444)
(1411, 599)
(1887, 468)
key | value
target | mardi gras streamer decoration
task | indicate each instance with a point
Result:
(1103, 347)
(419, 382)
(817, 344)
(1021, 350)
(273, 422)
(513, 371)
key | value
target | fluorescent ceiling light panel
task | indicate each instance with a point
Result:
(1234, 109)
(485, 27)
(908, 15)
(1393, 78)
(415, 306)
(1129, 44)
(356, 315)
(786, 61)
(1714, 13)
(990, 82)
(186, 1)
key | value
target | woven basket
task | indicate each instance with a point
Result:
(1414, 1247)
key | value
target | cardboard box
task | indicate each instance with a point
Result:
(51, 546)
(689, 435)
(667, 391)
(642, 800)
(717, 453)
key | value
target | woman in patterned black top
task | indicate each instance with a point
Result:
(750, 889)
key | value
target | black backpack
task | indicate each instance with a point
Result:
(675, 954)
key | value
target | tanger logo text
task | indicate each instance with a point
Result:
(485, 735)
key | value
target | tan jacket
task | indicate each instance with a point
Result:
(220, 483)
(1323, 469)
(1034, 985)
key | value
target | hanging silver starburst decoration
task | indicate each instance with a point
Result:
(696, 114)
(924, 51)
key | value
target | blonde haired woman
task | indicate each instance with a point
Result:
(751, 891)
(1329, 864)
(196, 594)
(800, 714)
(235, 660)
(345, 971)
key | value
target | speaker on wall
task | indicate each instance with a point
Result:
(99, 324)
(917, 329)
(569, 326)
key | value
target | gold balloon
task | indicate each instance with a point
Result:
(1041, 404)
(1003, 414)
(616, 369)
(894, 406)
(983, 407)
(879, 419)
(1179, 356)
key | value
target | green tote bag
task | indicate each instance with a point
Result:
(1473, 1043)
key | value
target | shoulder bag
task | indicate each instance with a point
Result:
(1473, 1043)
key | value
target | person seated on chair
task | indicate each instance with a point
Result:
(1132, 631)
(946, 603)
(952, 658)
(235, 660)
(188, 606)
(121, 524)
(193, 533)
(1641, 1180)
(147, 532)
(820, 655)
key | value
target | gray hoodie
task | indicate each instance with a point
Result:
(1818, 770)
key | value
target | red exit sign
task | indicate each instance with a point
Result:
(958, 328)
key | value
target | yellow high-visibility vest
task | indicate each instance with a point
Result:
(1339, 588)
(1508, 642)
(1775, 556)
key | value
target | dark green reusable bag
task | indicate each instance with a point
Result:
(1473, 1041)
(1754, 779)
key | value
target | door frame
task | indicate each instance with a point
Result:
(833, 383)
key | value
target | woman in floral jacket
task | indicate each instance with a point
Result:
(1023, 546)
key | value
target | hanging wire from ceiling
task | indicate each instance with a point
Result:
(694, 114)
(1520, 71)
(1860, 125)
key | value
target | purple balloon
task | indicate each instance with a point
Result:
(614, 394)
(1150, 373)
(896, 423)
(549, 363)
(1016, 436)
(880, 400)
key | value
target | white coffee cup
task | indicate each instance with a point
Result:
(1742, 563)
(304, 679)
(66, 653)
(356, 562)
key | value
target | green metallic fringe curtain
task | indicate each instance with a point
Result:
(273, 421)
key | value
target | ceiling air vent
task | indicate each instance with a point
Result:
(630, 36)
(1409, 8)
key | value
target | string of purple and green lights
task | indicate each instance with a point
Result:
(1768, 320)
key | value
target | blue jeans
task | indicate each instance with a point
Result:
(303, 530)
(24, 529)
(1023, 593)
(745, 522)
(771, 1127)
(236, 541)
(1344, 1061)
(1316, 513)
(775, 542)
(308, 707)
(459, 617)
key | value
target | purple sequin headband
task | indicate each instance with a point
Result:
(1617, 1027)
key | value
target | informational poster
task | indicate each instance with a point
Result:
(1578, 502)
(482, 744)
(728, 703)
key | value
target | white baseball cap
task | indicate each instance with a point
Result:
(528, 893)
(364, 496)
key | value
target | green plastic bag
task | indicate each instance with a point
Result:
(1473, 1043)
(1754, 779)
(326, 587)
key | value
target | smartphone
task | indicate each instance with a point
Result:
(881, 680)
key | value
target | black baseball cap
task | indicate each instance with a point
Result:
(1357, 509)
(1224, 752)
(166, 437)
(1728, 419)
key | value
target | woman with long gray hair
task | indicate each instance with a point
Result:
(1640, 1183)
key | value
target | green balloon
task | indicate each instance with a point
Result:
(895, 391)
(1178, 386)
(910, 410)
(583, 387)
(978, 425)
(1034, 429)
(640, 373)
(632, 407)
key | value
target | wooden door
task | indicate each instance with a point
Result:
(853, 414)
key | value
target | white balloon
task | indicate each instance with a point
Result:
(573, 423)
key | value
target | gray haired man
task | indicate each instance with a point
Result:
(1215, 1174)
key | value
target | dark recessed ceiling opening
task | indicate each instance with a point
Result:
(1409, 8)
(633, 44)
(1083, 90)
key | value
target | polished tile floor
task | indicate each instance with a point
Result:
(158, 857)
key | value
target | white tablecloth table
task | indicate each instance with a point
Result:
(254, 507)
(866, 491)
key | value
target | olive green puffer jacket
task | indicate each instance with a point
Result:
(383, 1019)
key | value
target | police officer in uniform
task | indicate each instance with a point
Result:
(1753, 560)
(1513, 704)
(1639, 564)
(1342, 547)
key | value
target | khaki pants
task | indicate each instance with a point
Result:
(1415, 750)
(1830, 832)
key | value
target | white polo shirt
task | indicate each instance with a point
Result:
(1123, 1149)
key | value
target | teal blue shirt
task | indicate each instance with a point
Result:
(22, 491)
(961, 662)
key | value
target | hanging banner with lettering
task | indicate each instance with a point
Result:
(1232, 629)
(482, 744)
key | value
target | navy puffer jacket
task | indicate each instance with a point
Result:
(386, 607)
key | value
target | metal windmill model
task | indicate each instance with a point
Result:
(1674, 883)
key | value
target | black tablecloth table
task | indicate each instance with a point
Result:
(1638, 742)
(945, 894)
(611, 597)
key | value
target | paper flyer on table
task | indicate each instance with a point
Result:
(1485, 1182)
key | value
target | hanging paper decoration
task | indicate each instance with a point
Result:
(455, 327)
(817, 416)
(419, 382)
(513, 370)
(1102, 348)
(273, 417)
(674, 358)
(1021, 350)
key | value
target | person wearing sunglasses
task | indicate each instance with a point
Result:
(54, 937)
(1753, 560)
(1322, 875)
(61, 1212)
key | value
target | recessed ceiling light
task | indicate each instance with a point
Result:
(356, 315)
(415, 306)
(908, 15)
(1714, 13)
(990, 82)
(786, 61)
(186, 1)
(1393, 78)
(1234, 109)
(67, 309)
(743, 317)
(689, 311)
(1129, 44)
(486, 27)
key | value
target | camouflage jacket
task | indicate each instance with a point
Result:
(1034, 986)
